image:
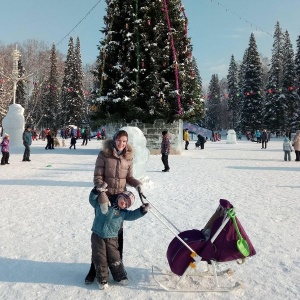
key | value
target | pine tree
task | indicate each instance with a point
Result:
(196, 111)
(73, 106)
(241, 81)
(251, 116)
(67, 86)
(51, 99)
(275, 106)
(213, 104)
(224, 117)
(233, 94)
(80, 103)
(288, 84)
(145, 69)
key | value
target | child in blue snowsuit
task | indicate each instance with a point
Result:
(287, 148)
(107, 223)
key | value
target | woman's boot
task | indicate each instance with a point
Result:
(90, 277)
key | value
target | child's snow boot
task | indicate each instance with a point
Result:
(103, 285)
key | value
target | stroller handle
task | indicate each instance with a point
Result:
(193, 253)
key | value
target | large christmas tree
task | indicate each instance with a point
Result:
(145, 69)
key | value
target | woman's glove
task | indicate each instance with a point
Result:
(145, 208)
(102, 187)
(99, 189)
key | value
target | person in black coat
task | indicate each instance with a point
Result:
(200, 142)
(264, 139)
(73, 142)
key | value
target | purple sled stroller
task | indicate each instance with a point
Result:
(222, 239)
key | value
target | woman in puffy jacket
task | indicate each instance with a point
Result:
(113, 171)
(296, 145)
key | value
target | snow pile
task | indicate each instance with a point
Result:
(46, 219)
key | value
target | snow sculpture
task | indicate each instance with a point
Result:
(231, 137)
(13, 124)
(138, 141)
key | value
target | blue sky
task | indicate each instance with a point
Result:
(218, 28)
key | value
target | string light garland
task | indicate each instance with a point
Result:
(251, 93)
(78, 23)
(241, 18)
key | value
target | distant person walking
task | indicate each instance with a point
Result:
(84, 137)
(165, 150)
(98, 135)
(73, 142)
(287, 148)
(258, 136)
(27, 140)
(5, 150)
(213, 137)
(50, 139)
(296, 145)
(200, 142)
(103, 133)
(88, 133)
(264, 139)
(186, 138)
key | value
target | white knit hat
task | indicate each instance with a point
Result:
(128, 197)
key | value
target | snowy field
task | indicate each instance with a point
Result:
(46, 219)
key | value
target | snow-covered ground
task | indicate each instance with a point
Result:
(45, 220)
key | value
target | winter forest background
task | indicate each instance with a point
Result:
(145, 70)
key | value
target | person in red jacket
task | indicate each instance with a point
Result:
(98, 135)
